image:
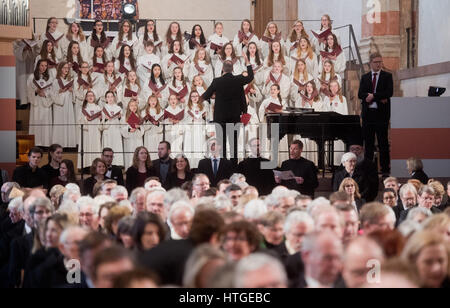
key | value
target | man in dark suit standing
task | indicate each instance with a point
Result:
(230, 101)
(215, 167)
(375, 92)
(162, 165)
(113, 172)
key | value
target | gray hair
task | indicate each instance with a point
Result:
(227, 66)
(63, 238)
(297, 217)
(89, 202)
(236, 178)
(174, 195)
(255, 209)
(45, 202)
(426, 189)
(16, 204)
(255, 262)
(407, 188)
(348, 156)
(135, 193)
(198, 259)
(312, 240)
(273, 200)
(223, 203)
(318, 204)
(418, 210)
(409, 227)
(119, 189)
(178, 206)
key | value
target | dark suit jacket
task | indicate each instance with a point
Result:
(25, 177)
(117, 175)
(404, 214)
(132, 178)
(262, 179)
(45, 269)
(224, 172)
(385, 90)
(156, 167)
(305, 169)
(173, 182)
(20, 254)
(230, 96)
(421, 176)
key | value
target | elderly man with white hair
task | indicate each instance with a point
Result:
(69, 241)
(88, 213)
(155, 204)
(254, 210)
(296, 226)
(281, 200)
(408, 197)
(260, 271)
(328, 219)
(349, 161)
(72, 192)
(119, 193)
(425, 199)
(180, 220)
(137, 200)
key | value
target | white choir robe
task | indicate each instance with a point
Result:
(195, 134)
(286, 67)
(283, 144)
(111, 136)
(24, 66)
(139, 49)
(168, 69)
(178, 91)
(162, 91)
(258, 72)
(311, 64)
(90, 50)
(166, 46)
(144, 67)
(125, 97)
(79, 93)
(99, 71)
(65, 42)
(104, 84)
(265, 46)
(191, 52)
(250, 131)
(238, 69)
(207, 75)
(131, 141)
(254, 99)
(92, 143)
(153, 134)
(117, 45)
(217, 40)
(64, 115)
(41, 111)
(240, 48)
(340, 64)
(51, 70)
(291, 50)
(174, 133)
(327, 79)
(318, 47)
(58, 37)
(285, 86)
(210, 106)
(73, 64)
(122, 70)
(335, 105)
(295, 89)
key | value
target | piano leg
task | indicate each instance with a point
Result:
(321, 158)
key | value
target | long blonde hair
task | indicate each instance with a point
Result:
(297, 73)
(293, 37)
(332, 72)
(157, 107)
(69, 34)
(128, 113)
(350, 181)
(267, 33)
(207, 59)
(341, 97)
(309, 50)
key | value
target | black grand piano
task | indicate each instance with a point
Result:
(318, 126)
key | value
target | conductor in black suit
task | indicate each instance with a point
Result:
(230, 100)
(375, 92)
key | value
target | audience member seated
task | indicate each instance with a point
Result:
(113, 172)
(350, 220)
(180, 220)
(351, 188)
(179, 173)
(425, 199)
(55, 152)
(65, 175)
(140, 170)
(240, 239)
(162, 165)
(148, 232)
(415, 169)
(376, 216)
(392, 182)
(30, 175)
(98, 170)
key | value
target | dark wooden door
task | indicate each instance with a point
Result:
(263, 14)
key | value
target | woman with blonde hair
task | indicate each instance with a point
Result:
(271, 35)
(439, 223)
(415, 169)
(293, 41)
(351, 188)
(74, 34)
(429, 253)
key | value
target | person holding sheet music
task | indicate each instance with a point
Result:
(328, 74)
(99, 38)
(201, 66)
(98, 62)
(179, 87)
(321, 36)
(272, 104)
(228, 53)
(90, 118)
(195, 42)
(175, 58)
(304, 51)
(158, 86)
(216, 42)
(111, 137)
(293, 41)
(84, 82)
(150, 35)
(146, 61)
(276, 53)
(254, 99)
(271, 35)
(63, 112)
(173, 34)
(48, 53)
(110, 81)
(152, 120)
(39, 87)
(132, 131)
(132, 90)
(74, 58)
(333, 52)
(74, 33)
(300, 78)
(253, 96)
(126, 37)
(126, 62)
(276, 76)
(54, 36)
(244, 37)
(174, 116)
(199, 85)
(255, 59)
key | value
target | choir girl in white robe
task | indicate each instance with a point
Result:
(174, 129)
(74, 58)
(173, 34)
(271, 34)
(292, 42)
(111, 138)
(199, 85)
(39, 87)
(126, 62)
(125, 37)
(254, 57)
(99, 38)
(74, 33)
(110, 81)
(305, 52)
(327, 75)
(132, 90)
(152, 118)
(146, 61)
(158, 86)
(175, 58)
(25, 52)
(216, 42)
(253, 97)
(336, 102)
(197, 41)
(195, 124)
(244, 37)
(299, 79)
(254, 100)
(178, 86)
(333, 52)
(91, 119)
(276, 76)
(48, 53)
(150, 35)
(53, 35)
(276, 53)
(326, 27)
(132, 132)
(63, 112)
(98, 62)
(228, 54)
(84, 82)
(201, 66)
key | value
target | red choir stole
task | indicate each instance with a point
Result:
(242, 36)
(276, 81)
(149, 118)
(322, 37)
(113, 85)
(271, 40)
(92, 115)
(76, 67)
(123, 69)
(52, 39)
(177, 60)
(197, 44)
(199, 69)
(83, 83)
(180, 94)
(155, 88)
(174, 117)
(41, 87)
(134, 120)
(331, 55)
(130, 93)
(51, 63)
(274, 108)
(301, 86)
(193, 116)
(113, 115)
(63, 87)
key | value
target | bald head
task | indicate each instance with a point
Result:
(227, 67)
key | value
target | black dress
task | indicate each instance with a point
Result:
(174, 182)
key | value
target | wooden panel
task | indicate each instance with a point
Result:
(263, 14)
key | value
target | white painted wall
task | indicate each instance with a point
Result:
(418, 87)
(434, 34)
